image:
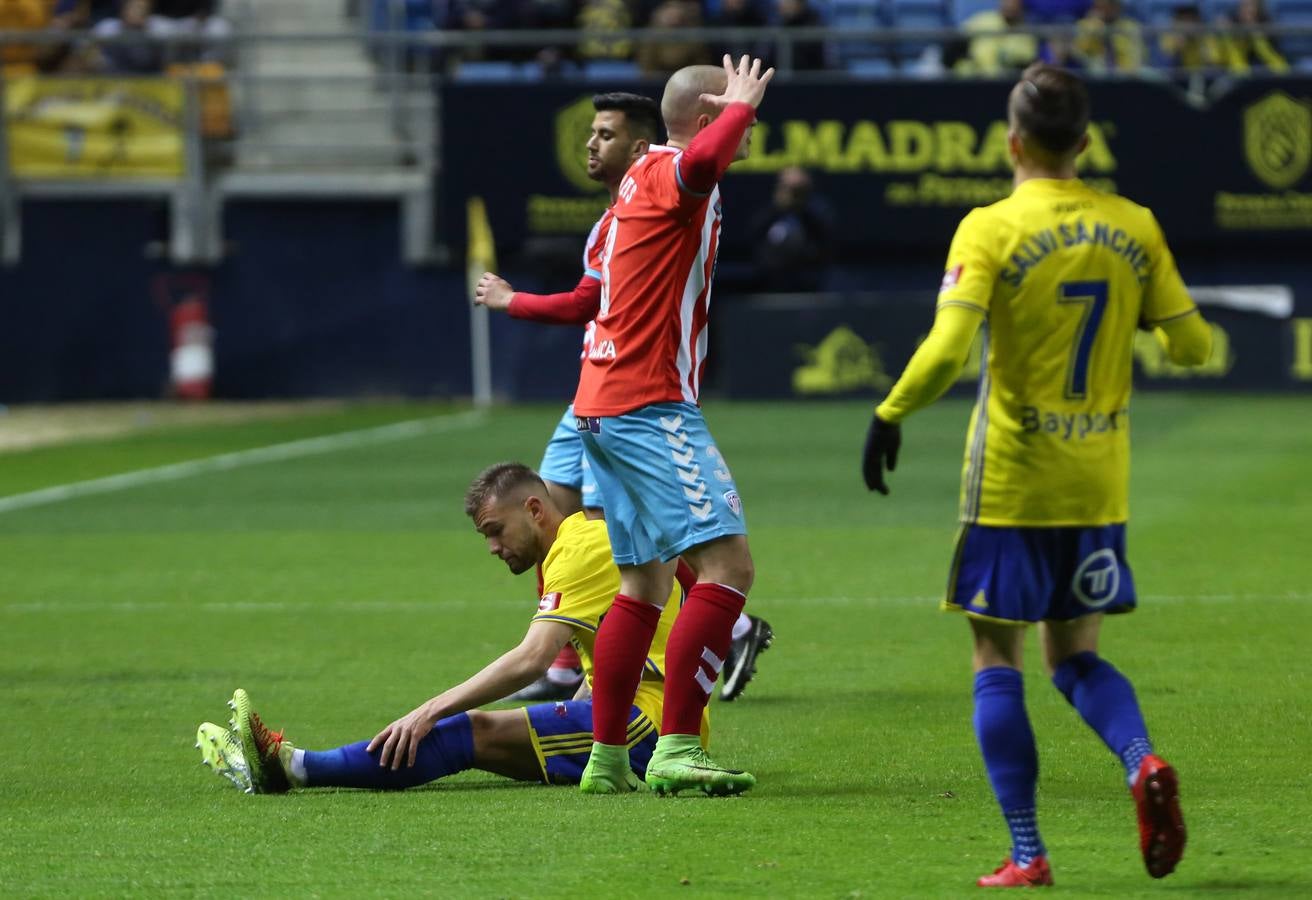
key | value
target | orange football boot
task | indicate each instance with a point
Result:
(1036, 874)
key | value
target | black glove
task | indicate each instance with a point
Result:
(882, 443)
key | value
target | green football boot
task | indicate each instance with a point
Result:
(220, 750)
(680, 764)
(608, 771)
(268, 755)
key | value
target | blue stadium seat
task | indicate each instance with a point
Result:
(964, 9)
(856, 13)
(872, 69)
(488, 71)
(1303, 65)
(1214, 9)
(611, 70)
(1157, 12)
(916, 14)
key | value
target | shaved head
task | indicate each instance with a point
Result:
(681, 104)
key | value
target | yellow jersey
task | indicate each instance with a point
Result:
(1064, 275)
(579, 582)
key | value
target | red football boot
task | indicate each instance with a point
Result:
(1161, 825)
(1036, 874)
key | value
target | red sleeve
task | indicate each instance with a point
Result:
(709, 154)
(578, 307)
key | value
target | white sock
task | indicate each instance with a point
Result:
(741, 627)
(563, 675)
(298, 776)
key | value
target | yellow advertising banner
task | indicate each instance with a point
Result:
(94, 128)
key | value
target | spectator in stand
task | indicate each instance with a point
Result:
(76, 14)
(993, 52)
(479, 15)
(1186, 52)
(807, 55)
(1055, 12)
(548, 14)
(199, 18)
(22, 15)
(1108, 40)
(740, 14)
(599, 20)
(793, 236)
(1060, 51)
(1240, 53)
(665, 59)
(136, 18)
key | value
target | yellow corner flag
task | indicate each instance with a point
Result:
(480, 257)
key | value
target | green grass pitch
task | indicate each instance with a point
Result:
(342, 589)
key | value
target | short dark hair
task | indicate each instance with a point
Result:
(642, 114)
(496, 481)
(1050, 106)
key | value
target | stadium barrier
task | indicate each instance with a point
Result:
(901, 165)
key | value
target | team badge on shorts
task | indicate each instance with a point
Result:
(735, 502)
(1098, 579)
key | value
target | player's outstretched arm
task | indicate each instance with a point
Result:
(1187, 338)
(513, 670)
(576, 307)
(933, 368)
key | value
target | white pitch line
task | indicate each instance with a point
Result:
(388, 606)
(316, 446)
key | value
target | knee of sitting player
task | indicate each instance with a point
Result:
(483, 726)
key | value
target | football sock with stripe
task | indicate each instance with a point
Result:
(1105, 700)
(620, 652)
(449, 748)
(694, 655)
(1007, 744)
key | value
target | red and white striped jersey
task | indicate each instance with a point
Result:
(658, 258)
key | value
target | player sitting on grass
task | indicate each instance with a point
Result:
(548, 742)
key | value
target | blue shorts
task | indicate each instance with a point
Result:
(1030, 574)
(666, 486)
(562, 738)
(564, 463)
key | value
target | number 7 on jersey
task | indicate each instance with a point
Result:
(1092, 296)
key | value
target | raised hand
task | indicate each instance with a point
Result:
(746, 84)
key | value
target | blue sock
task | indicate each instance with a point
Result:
(449, 748)
(1105, 699)
(1007, 743)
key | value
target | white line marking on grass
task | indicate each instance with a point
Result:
(316, 446)
(388, 606)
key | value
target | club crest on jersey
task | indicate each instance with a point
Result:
(951, 278)
(549, 602)
(735, 502)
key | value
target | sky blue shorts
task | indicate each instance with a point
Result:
(562, 738)
(564, 463)
(667, 487)
(1032, 574)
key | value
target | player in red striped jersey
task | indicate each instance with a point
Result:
(668, 491)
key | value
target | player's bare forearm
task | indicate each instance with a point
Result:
(936, 364)
(398, 743)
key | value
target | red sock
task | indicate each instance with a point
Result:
(623, 641)
(684, 574)
(567, 658)
(695, 654)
